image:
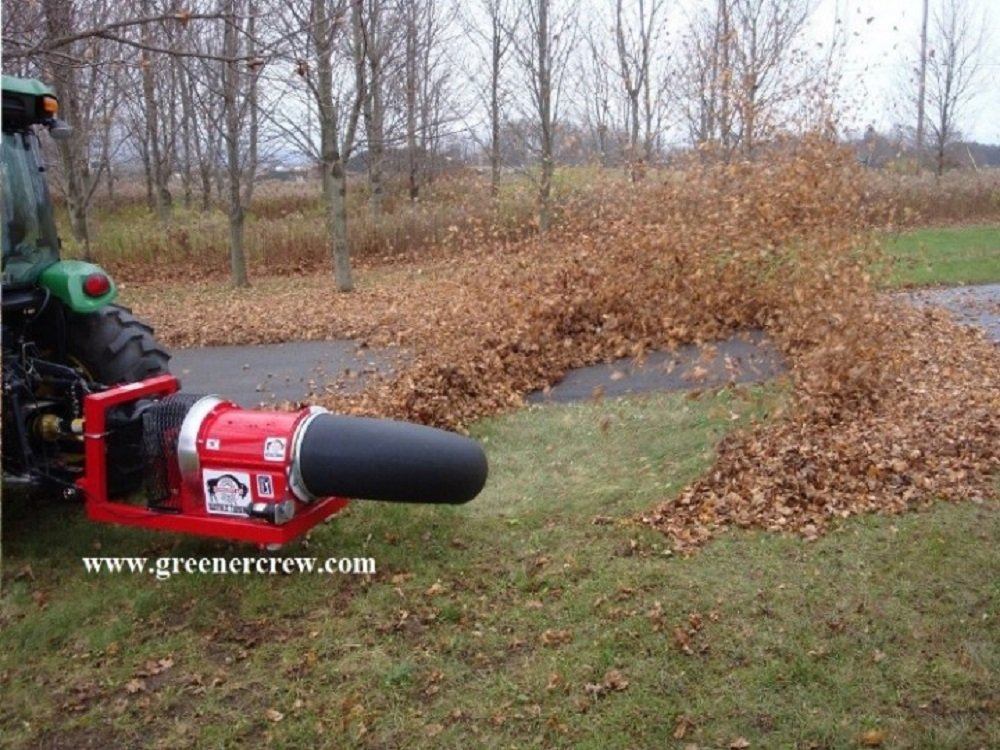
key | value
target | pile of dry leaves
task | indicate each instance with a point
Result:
(928, 430)
(892, 408)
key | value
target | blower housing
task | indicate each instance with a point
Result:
(214, 468)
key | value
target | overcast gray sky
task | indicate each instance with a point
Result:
(875, 68)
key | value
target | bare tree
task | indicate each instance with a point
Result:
(599, 93)
(742, 64)
(240, 128)
(29, 43)
(706, 75)
(542, 50)
(635, 36)
(78, 71)
(88, 50)
(333, 29)
(188, 148)
(922, 79)
(200, 84)
(953, 65)
(334, 151)
(764, 58)
(422, 83)
(158, 153)
(376, 35)
(489, 26)
(414, 14)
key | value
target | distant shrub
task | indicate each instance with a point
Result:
(921, 198)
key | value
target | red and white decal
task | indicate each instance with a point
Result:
(274, 448)
(227, 493)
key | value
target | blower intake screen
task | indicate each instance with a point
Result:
(161, 424)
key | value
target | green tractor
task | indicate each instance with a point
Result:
(62, 336)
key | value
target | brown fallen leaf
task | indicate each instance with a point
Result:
(615, 680)
(556, 637)
(682, 640)
(868, 373)
(682, 726)
(873, 738)
(436, 589)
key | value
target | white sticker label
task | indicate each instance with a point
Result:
(227, 493)
(212, 444)
(265, 485)
(274, 448)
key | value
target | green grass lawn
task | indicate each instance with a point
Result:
(951, 255)
(540, 615)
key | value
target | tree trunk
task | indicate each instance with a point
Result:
(230, 96)
(59, 22)
(374, 113)
(187, 120)
(545, 118)
(545, 195)
(205, 172)
(495, 111)
(161, 195)
(337, 208)
(147, 174)
(922, 82)
(412, 46)
(110, 184)
(237, 255)
(725, 81)
(334, 179)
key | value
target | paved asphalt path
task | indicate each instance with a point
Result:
(253, 376)
(267, 374)
(747, 357)
(971, 305)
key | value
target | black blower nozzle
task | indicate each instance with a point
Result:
(380, 459)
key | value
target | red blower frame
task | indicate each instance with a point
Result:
(235, 476)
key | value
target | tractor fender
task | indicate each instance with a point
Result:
(66, 279)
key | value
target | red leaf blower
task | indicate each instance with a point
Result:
(213, 468)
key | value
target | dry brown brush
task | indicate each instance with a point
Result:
(287, 233)
(961, 196)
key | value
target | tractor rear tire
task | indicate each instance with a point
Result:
(112, 346)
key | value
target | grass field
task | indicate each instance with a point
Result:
(538, 616)
(951, 255)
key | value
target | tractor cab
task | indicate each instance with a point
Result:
(30, 242)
